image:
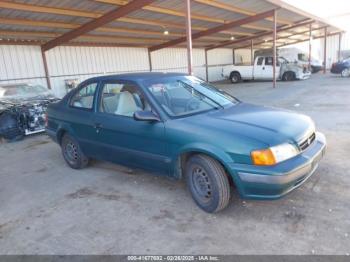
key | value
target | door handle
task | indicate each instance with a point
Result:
(97, 126)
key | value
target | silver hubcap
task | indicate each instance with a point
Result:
(201, 183)
(71, 152)
(345, 73)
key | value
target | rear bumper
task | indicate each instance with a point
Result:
(264, 182)
(316, 69)
(336, 70)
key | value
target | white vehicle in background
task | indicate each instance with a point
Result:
(295, 55)
(263, 70)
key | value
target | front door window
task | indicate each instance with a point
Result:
(122, 99)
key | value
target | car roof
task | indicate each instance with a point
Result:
(137, 76)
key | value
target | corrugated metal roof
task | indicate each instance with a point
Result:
(19, 28)
(170, 17)
(10, 13)
(83, 5)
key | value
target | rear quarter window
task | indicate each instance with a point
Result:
(84, 98)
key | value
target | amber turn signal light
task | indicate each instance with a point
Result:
(263, 157)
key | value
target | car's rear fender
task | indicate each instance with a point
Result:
(61, 129)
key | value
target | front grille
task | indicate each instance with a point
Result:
(307, 142)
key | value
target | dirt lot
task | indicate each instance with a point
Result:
(48, 208)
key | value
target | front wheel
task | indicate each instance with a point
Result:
(345, 72)
(208, 183)
(288, 76)
(72, 153)
(10, 128)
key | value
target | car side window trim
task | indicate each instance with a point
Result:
(78, 89)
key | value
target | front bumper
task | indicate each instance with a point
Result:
(316, 68)
(336, 70)
(303, 75)
(273, 182)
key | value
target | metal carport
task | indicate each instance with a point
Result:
(158, 24)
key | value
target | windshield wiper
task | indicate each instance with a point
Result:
(192, 88)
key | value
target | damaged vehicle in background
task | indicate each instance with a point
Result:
(22, 109)
(295, 55)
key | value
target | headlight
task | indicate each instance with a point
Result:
(273, 155)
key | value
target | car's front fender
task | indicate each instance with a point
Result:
(215, 152)
(208, 149)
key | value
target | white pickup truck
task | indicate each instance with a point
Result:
(263, 70)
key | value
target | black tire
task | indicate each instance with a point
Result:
(72, 153)
(9, 127)
(235, 77)
(288, 76)
(208, 183)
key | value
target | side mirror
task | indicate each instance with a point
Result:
(146, 116)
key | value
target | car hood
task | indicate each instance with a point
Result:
(341, 63)
(27, 99)
(292, 67)
(271, 126)
(11, 101)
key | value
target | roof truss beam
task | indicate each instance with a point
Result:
(50, 24)
(226, 43)
(234, 9)
(307, 39)
(167, 11)
(293, 41)
(98, 22)
(288, 37)
(78, 13)
(214, 30)
(146, 41)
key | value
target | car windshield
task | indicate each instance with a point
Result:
(186, 95)
(282, 60)
(22, 91)
(303, 57)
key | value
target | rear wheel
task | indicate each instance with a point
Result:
(288, 76)
(208, 183)
(345, 72)
(72, 153)
(235, 77)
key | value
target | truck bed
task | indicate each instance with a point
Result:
(246, 71)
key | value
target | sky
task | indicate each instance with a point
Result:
(337, 12)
